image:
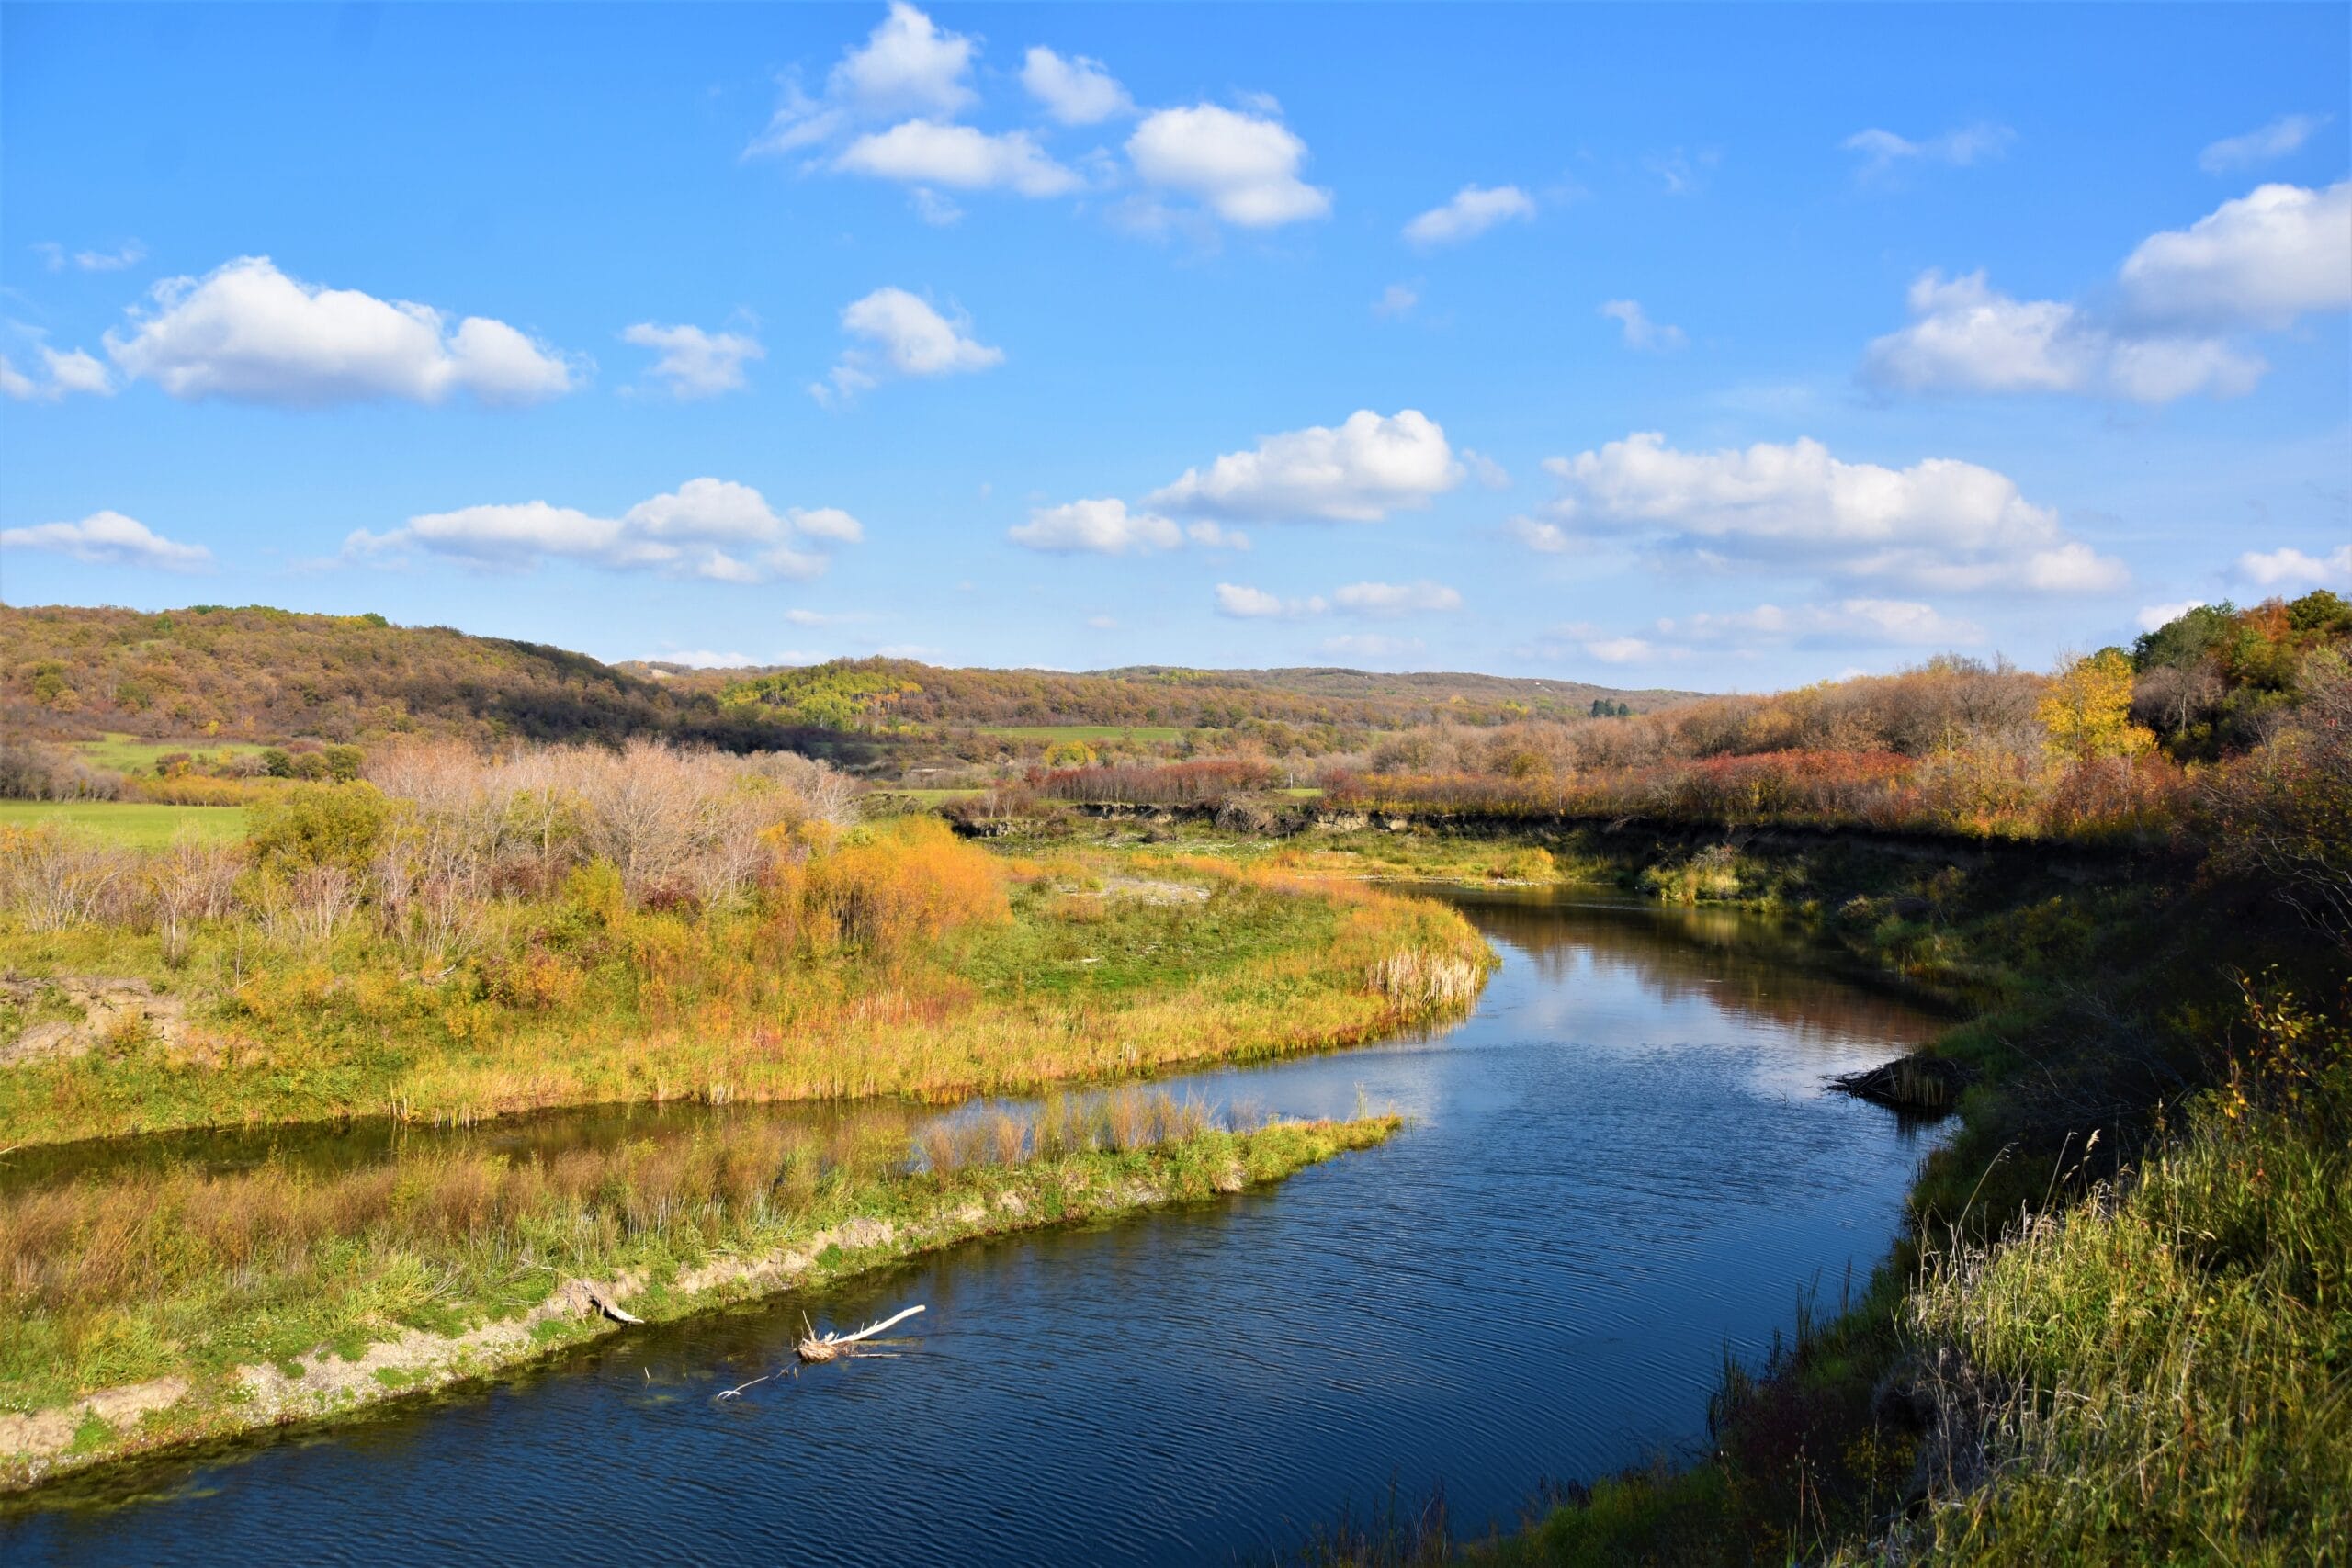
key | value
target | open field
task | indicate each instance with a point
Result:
(134, 824)
(130, 754)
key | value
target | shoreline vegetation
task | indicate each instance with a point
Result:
(155, 1311)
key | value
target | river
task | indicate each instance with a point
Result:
(1621, 1164)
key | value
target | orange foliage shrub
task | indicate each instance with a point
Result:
(911, 880)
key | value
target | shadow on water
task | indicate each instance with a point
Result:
(1624, 1161)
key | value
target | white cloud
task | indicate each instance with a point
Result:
(1243, 167)
(825, 522)
(902, 335)
(1356, 473)
(1472, 212)
(2259, 261)
(1882, 150)
(250, 334)
(1941, 523)
(2155, 615)
(697, 363)
(1257, 605)
(57, 258)
(2277, 139)
(1372, 645)
(706, 528)
(108, 538)
(1095, 527)
(1641, 333)
(1106, 527)
(1215, 536)
(939, 212)
(1546, 538)
(907, 66)
(62, 374)
(1386, 599)
(1396, 300)
(1620, 649)
(1967, 337)
(2291, 568)
(929, 153)
(1075, 91)
(1490, 474)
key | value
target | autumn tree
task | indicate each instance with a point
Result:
(2087, 712)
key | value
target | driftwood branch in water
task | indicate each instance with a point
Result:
(826, 1347)
(602, 1300)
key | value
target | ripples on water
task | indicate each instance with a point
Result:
(1622, 1162)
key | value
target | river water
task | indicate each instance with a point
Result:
(1624, 1163)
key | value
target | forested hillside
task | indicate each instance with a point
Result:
(885, 694)
(258, 673)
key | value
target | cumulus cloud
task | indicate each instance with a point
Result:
(1107, 527)
(108, 538)
(1545, 538)
(1073, 90)
(2154, 616)
(1966, 336)
(2277, 139)
(1359, 472)
(931, 152)
(694, 363)
(62, 375)
(1941, 525)
(1095, 527)
(1242, 166)
(2260, 261)
(1396, 300)
(1387, 599)
(907, 66)
(250, 334)
(705, 528)
(1621, 649)
(1246, 603)
(2291, 567)
(1641, 333)
(1472, 212)
(900, 334)
(1882, 151)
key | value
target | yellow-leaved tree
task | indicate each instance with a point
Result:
(2087, 710)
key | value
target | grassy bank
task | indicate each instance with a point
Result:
(898, 966)
(155, 1308)
(134, 823)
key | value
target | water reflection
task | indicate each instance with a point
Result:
(1620, 1163)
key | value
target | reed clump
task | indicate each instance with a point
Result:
(2156, 1374)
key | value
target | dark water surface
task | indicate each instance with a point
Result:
(1622, 1162)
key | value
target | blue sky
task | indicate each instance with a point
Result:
(1705, 347)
